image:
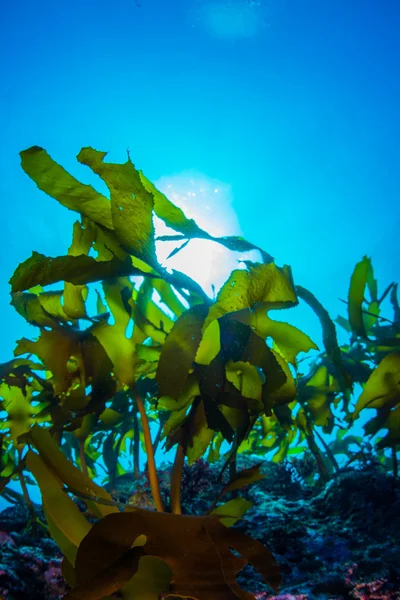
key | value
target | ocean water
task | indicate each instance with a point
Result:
(275, 120)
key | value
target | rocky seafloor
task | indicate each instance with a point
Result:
(340, 541)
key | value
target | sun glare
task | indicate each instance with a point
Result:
(209, 203)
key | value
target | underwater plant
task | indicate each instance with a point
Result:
(161, 351)
(92, 381)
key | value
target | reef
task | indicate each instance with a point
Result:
(340, 542)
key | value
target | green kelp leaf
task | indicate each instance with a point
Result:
(215, 447)
(330, 342)
(395, 303)
(67, 524)
(271, 284)
(197, 433)
(256, 555)
(109, 455)
(246, 288)
(111, 417)
(283, 412)
(42, 310)
(290, 340)
(270, 432)
(388, 289)
(78, 270)
(77, 481)
(147, 315)
(131, 204)
(179, 351)
(240, 344)
(18, 372)
(67, 571)
(107, 245)
(377, 423)
(148, 353)
(153, 577)
(385, 418)
(98, 369)
(125, 439)
(75, 296)
(279, 387)
(178, 249)
(169, 297)
(382, 388)
(238, 244)
(7, 470)
(55, 181)
(342, 444)
(344, 323)
(216, 419)
(20, 412)
(109, 580)
(173, 422)
(183, 282)
(246, 378)
(371, 318)
(192, 433)
(236, 407)
(191, 390)
(358, 282)
(282, 444)
(210, 344)
(192, 546)
(113, 338)
(88, 423)
(318, 394)
(392, 423)
(243, 478)
(235, 508)
(79, 358)
(372, 284)
(101, 308)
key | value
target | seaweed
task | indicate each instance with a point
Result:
(206, 371)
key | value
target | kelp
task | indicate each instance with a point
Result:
(162, 351)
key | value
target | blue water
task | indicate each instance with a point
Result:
(290, 107)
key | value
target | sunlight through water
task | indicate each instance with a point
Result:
(209, 203)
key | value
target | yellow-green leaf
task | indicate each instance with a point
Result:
(55, 460)
(210, 344)
(235, 508)
(179, 351)
(260, 283)
(67, 524)
(78, 270)
(290, 340)
(131, 204)
(55, 181)
(245, 377)
(383, 386)
(356, 294)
